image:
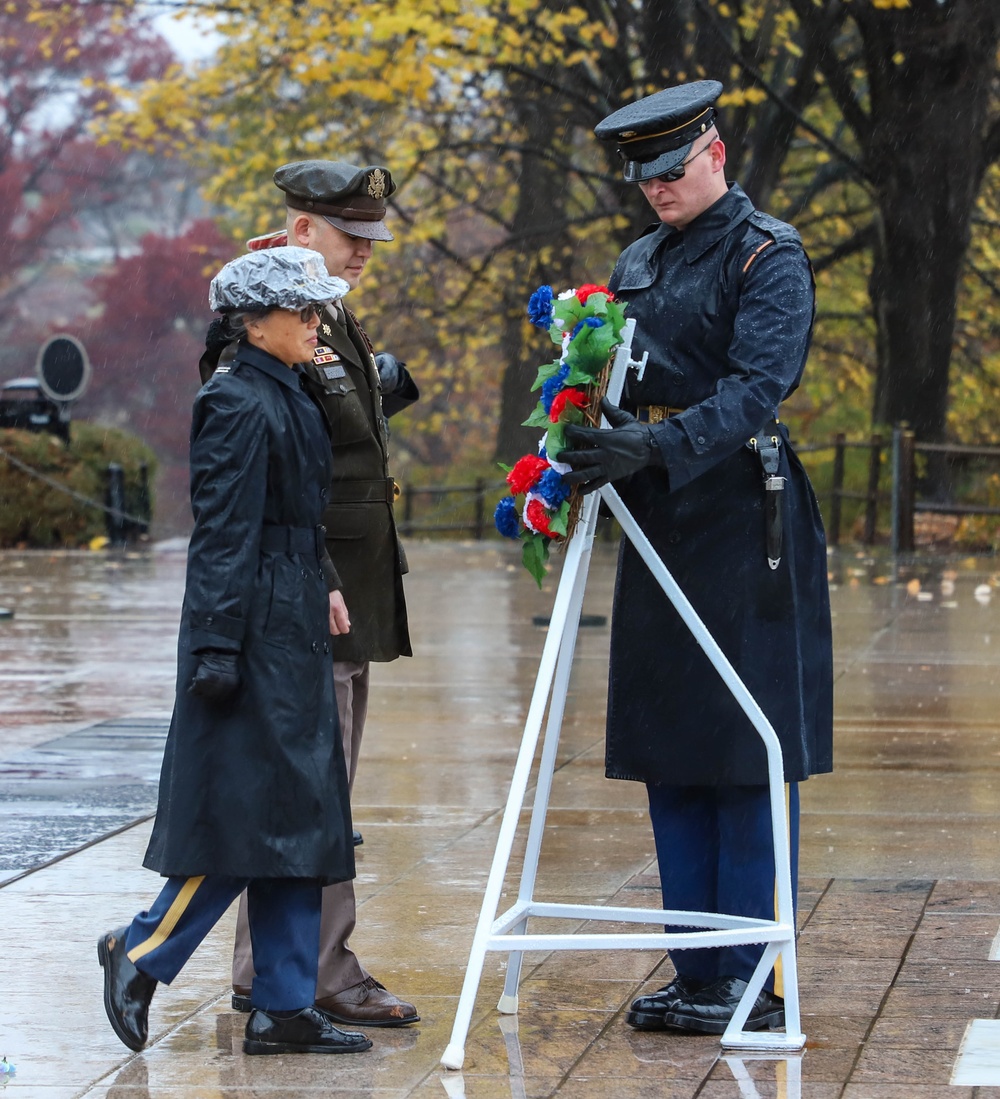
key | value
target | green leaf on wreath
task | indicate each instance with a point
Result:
(505, 468)
(538, 418)
(555, 333)
(568, 312)
(555, 440)
(549, 370)
(534, 554)
(559, 523)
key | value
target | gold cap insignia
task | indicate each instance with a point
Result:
(627, 133)
(376, 183)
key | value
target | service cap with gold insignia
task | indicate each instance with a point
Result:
(349, 197)
(655, 134)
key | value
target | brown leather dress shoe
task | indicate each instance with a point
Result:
(368, 1004)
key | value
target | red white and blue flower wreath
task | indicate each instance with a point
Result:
(586, 324)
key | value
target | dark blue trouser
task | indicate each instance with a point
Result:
(284, 933)
(715, 852)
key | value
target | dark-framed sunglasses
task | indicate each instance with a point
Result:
(678, 172)
(307, 312)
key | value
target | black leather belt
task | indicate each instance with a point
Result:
(308, 540)
(363, 492)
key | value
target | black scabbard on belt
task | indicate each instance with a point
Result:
(768, 449)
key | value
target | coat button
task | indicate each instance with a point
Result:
(678, 376)
(209, 619)
(326, 647)
(305, 574)
(673, 538)
(315, 647)
(701, 440)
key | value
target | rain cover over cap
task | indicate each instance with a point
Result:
(274, 278)
(655, 134)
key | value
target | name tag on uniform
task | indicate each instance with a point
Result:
(332, 372)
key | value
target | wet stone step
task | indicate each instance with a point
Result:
(68, 792)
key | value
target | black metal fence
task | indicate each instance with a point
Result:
(892, 478)
(883, 495)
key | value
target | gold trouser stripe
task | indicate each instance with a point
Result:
(169, 921)
(779, 976)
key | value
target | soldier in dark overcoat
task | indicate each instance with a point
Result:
(722, 296)
(338, 209)
(253, 788)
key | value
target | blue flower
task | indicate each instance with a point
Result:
(590, 322)
(552, 488)
(553, 385)
(540, 307)
(506, 518)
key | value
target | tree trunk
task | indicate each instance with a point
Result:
(930, 69)
(542, 254)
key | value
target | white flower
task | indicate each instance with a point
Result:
(567, 294)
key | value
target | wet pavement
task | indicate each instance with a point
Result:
(899, 876)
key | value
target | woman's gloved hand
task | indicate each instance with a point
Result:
(216, 677)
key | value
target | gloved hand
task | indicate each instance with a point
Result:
(389, 372)
(600, 455)
(216, 677)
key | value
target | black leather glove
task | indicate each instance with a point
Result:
(600, 455)
(216, 677)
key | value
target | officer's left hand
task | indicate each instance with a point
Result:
(340, 620)
(600, 455)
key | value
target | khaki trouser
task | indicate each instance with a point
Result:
(339, 968)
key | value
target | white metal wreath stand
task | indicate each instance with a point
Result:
(508, 931)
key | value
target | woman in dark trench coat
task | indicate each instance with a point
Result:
(253, 788)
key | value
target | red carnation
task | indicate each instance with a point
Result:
(538, 518)
(526, 473)
(585, 291)
(564, 397)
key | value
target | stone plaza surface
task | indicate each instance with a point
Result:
(899, 877)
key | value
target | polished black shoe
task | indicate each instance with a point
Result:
(359, 839)
(647, 1012)
(709, 1011)
(308, 1031)
(127, 992)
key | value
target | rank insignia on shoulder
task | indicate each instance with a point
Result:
(222, 369)
(327, 330)
(332, 372)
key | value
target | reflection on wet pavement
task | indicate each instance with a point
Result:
(899, 892)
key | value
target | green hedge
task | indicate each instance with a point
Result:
(35, 514)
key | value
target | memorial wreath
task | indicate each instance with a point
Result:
(542, 508)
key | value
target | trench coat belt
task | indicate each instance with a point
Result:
(655, 413)
(382, 491)
(308, 540)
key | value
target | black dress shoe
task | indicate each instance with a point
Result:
(359, 839)
(308, 1031)
(127, 992)
(709, 1011)
(647, 1012)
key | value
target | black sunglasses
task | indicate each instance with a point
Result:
(307, 312)
(678, 172)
